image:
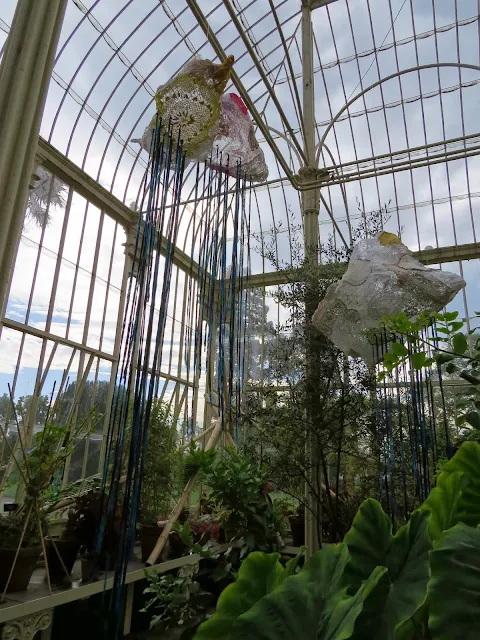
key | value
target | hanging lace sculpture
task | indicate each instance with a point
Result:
(46, 193)
(191, 103)
(382, 279)
(236, 142)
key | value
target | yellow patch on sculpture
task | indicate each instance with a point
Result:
(386, 239)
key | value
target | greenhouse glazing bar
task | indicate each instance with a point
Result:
(25, 71)
(217, 47)
(310, 200)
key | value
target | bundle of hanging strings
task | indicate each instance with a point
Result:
(216, 322)
(142, 341)
(411, 427)
(223, 211)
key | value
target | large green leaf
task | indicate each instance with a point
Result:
(310, 605)
(454, 588)
(462, 495)
(443, 503)
(259, 574)
(415, 627)
(401, 591)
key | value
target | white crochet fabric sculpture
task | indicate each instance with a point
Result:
(382, 279)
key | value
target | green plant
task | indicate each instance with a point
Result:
(402, 589)
(235, 482)
(37, 468)
(162, 465)
(85, 520)
(421, 583)
(270, 601)
(172, 598)
(197, 459)
(62, 498)
(282, 508)
(13, 525)
(450, 347)
(455, 570)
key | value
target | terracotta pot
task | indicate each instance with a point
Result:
(24, 567)
(67, 550)
(149, 534)
(297, 526)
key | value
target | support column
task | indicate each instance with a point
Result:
(25, 72)
(310, 211)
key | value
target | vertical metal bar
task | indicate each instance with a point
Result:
(130, 240)
(86, 329)
(310, 211)
(25, 71)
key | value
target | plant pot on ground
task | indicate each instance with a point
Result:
(149, 534)
(62, 551)
(88, 516)
(297, 527)
(18, 564)
(61, 556)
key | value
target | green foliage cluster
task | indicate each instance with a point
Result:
(38, 466)
(309, 391)
(163, 466)
(172, 598)
(14, 525)
(235, 483)
(451, 347)
(421, 583)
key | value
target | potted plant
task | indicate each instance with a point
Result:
(20, 549)
(22, 532)
(176, 601)
(235, 483)
(88, 519)
(62, 551)
(160, 480)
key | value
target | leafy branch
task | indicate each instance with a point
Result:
(437, 339)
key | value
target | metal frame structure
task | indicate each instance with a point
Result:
(324, 152)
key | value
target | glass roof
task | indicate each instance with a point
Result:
(113, 54)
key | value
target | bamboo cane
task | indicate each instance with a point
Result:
(200, 436)
(214, 438)
(230, 442)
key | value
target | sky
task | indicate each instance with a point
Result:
(101, 96)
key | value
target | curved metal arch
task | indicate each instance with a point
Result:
(460, 65)
(342, 187)
(112, 133)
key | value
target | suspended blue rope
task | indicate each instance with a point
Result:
(141, 350)
(406, 428)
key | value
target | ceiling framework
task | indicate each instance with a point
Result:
(384, 72)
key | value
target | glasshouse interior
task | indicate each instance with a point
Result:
(239, 345)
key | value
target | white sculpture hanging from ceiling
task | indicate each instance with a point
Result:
(236, 141)
(382, 279)
(210, 123)
(190, 103)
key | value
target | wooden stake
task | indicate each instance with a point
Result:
(200, 436)
(214, 438)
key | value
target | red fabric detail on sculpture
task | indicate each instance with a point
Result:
(239, 102)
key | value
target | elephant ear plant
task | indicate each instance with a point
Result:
(270, 601)
(421, 583)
